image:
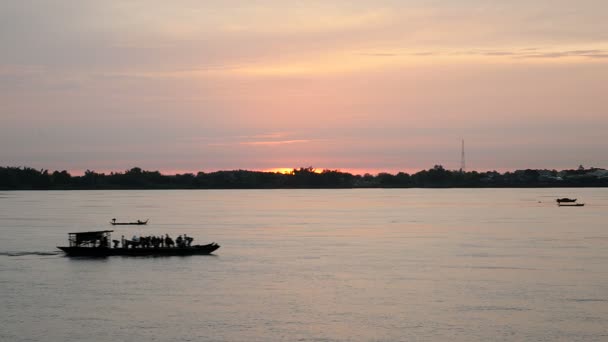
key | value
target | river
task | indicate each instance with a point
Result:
(311, 265)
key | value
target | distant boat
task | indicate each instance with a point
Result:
(565, 200)
(97, 244)
(571, 204)
(138, 222)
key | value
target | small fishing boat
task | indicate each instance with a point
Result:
(137, 223)
(97, 244)
(571, 204)
(565, 200)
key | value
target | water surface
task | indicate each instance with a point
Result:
(311, 265)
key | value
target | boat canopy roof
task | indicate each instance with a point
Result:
(97, 232)
(94, 238)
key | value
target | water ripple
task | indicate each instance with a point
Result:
(22, 253)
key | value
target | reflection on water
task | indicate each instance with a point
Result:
(311, 265)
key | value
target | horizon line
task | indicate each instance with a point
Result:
(353, 171)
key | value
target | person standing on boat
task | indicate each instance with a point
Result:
(123, 242)
(168, 241)
(188, 240)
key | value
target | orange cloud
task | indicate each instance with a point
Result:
(277, 142)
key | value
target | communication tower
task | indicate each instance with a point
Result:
(462, 163)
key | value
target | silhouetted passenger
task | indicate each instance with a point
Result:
(123, 242)
(188, 240)
(135, 241)
(179, 241)
(169, 241)
(116, 242)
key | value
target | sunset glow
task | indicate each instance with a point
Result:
(365, 86)
(287, 170)
(284, 170)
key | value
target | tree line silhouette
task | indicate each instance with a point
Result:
(26, 178)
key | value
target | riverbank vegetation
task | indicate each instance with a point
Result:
(26, 178)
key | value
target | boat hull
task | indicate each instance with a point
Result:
(161, 251)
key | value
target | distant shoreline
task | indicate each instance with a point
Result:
(25, 178)
(271, 189)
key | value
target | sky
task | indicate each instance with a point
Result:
(359, 86)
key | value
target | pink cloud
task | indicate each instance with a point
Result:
(274, 142)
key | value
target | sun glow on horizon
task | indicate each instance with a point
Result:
(284, 170)
(288, 170)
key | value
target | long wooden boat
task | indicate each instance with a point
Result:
(96, 244)
(571, 204)
(138, 223)
(160, 251)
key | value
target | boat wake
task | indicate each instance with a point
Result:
(28, 253)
